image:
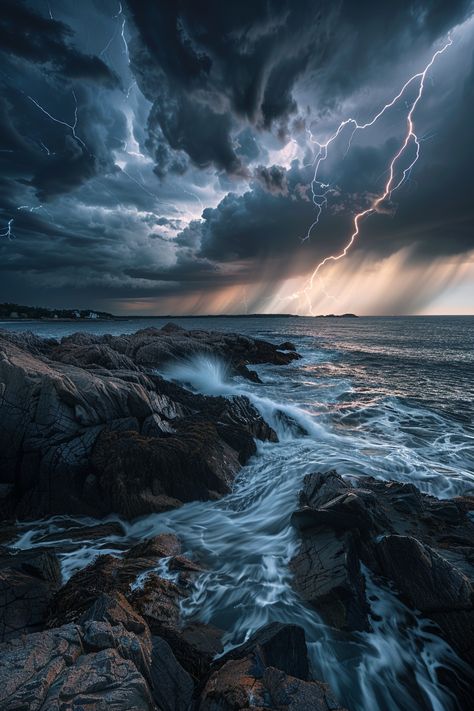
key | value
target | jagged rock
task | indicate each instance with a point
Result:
(102, 635)
(424, 546)
(246, 678)
(195, 645)
(163, 545)
(205, 639)
(276, 645)
(233, 687)
(24, 602)
(139, 475)
(290, 694)
(42, 563)
(158, 603)
(327, 574)
(104, 681)
(172, 686)
(32, 663)
(116, 609)
(106, 574)
(432, 585)
(62, 402)
(28, 580)
(344, 512)
(429, 581)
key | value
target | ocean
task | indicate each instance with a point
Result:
(391, 398)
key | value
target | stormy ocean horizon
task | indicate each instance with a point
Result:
(387, 397)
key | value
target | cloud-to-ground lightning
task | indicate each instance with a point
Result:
(71, 126)
(320, 190)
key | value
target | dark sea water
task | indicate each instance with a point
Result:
(387, 397)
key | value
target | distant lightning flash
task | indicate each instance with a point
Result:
(7, 231)
(320, 190)
(71, 126)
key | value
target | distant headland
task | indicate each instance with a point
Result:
(18, 312)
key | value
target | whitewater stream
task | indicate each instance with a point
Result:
(380, 397)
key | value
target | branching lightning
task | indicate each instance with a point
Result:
(320, 190)
(71, 126)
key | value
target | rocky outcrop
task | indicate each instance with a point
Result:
(422, 545)
(28, 581)
(153, 347)
(87, 426)
(269, 671)
(114, 639)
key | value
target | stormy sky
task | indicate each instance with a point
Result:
(157, 156)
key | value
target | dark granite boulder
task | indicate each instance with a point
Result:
(68, 408)
(172, 686)
(275, 645)
(31, 664)
(423, 545)
(327, 575)
(248, 678)
(28, 581)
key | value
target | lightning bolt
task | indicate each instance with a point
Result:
(36, 208)
(320, 190)
(71, 126)
(7, 231)
(120, 24)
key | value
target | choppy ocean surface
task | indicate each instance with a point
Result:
(388, 397)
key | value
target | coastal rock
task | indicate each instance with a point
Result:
(424, 546)
(28, 580)
(153, 347)
(172, 686)
(428, 580)
(137, 475)
(327, 574)
(106, 574)
(32, 663)
(275, 645)
(158, 603)
(100, 681)
(64, 407)
(431, 584)
(290, 694)
(163, 545)
(247, 678)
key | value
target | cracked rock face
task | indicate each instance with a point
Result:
(423, 546)
(248, 678)
(88, 427)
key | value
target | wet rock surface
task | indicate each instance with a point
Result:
(28, 581)
(248, 677)
(421, 545)
(113, 638)
(87, 426)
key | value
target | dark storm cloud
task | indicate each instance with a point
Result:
(432, 214)
(273, 179)
(30, 36)
(230, 84)
(208, 66)
(211, 66)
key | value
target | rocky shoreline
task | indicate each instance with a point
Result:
(88, 427)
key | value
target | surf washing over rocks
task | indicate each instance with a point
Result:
(333, 409)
